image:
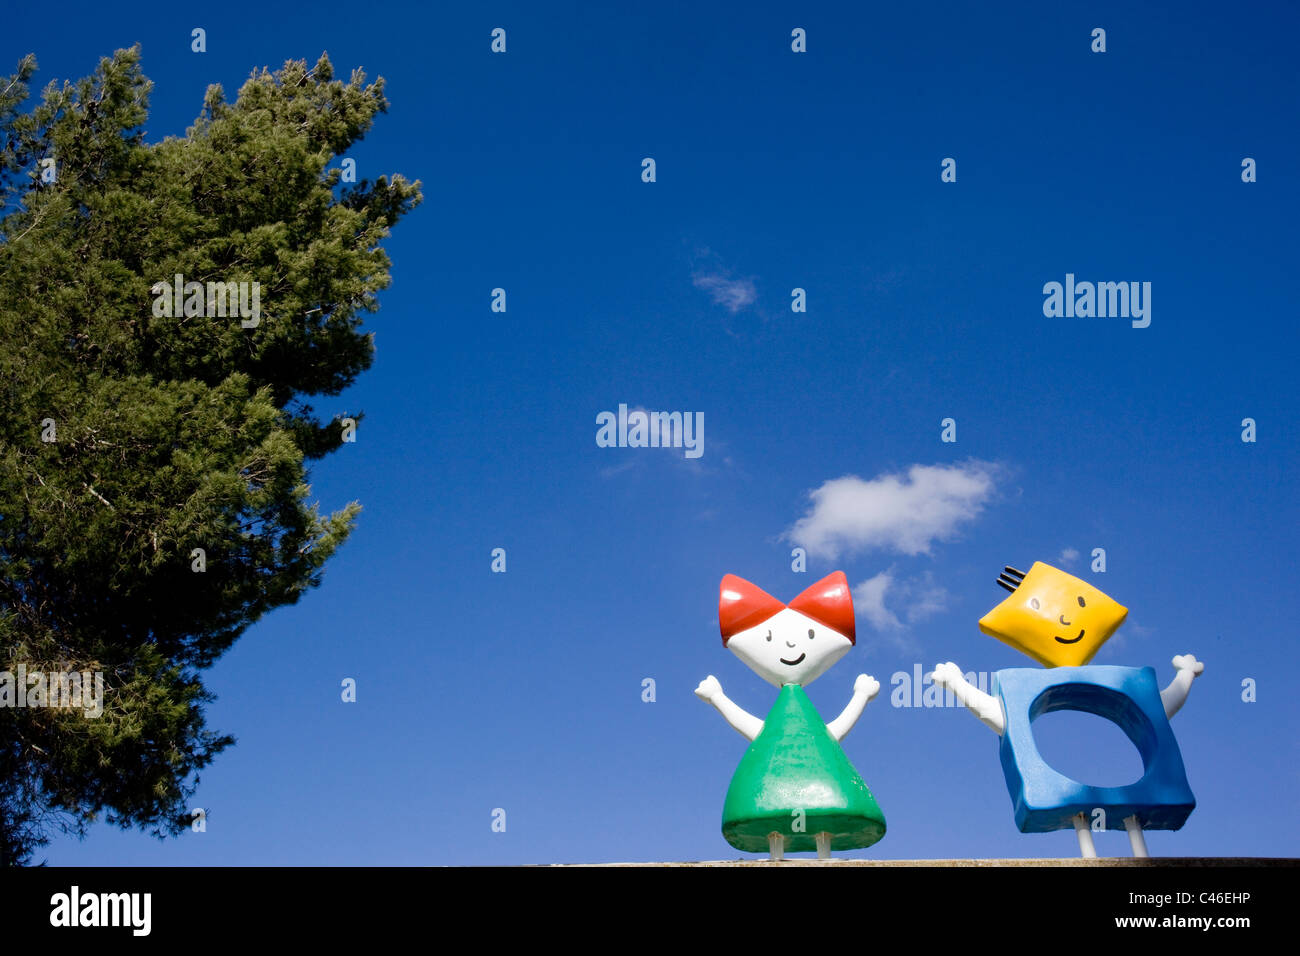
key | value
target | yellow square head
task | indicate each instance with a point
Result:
(1054, 617)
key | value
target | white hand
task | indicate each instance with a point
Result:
(866, 684)
(709, 688)
(947, 675)
(1175, 695)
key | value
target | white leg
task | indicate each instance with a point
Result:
(823, 846)
(776, 847)
(1086, 848)
(1135, 836)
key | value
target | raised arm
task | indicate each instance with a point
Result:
(988, 709)
(864, 689)
(741, 720)
(1175, 695)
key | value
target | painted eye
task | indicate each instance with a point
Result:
(769, 635)
(810, 633)
(1033, 602)
(1081, 604)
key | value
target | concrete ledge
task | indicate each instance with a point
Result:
(1113, 861)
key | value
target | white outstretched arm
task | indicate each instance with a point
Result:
(741, 720)
(987, 708)
(864, 689)
(1175, 695)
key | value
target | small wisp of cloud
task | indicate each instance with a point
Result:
(919, 597)
(642, 428)
(732, 294)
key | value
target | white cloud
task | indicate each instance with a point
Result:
(919, 598)
(668, 433)
(869, 601)
(903, 512)
(731, 294)
(924, 598)
(1069, 556)
(614, 470)
(663, 430)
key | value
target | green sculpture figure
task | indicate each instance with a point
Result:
(795, 789)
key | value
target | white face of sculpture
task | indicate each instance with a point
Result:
(789, 648)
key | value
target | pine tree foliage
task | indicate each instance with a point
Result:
(130, 439)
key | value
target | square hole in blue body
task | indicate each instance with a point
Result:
(1045, 799)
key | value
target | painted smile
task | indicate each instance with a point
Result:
(1071, 640)
(802, 656)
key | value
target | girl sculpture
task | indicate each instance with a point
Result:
(794, 789)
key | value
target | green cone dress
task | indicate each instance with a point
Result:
(795, 764)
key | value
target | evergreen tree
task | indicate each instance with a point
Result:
(130, 438)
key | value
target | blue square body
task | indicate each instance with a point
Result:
(1045, 799)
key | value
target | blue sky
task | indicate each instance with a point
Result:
(775, 170)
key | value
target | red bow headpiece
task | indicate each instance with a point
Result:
(742, 605)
